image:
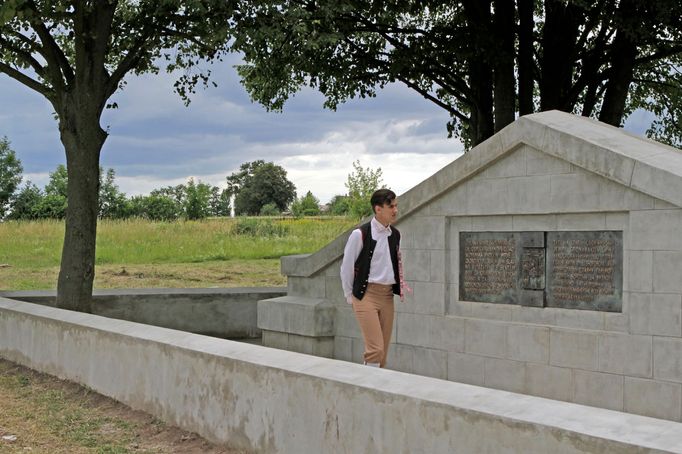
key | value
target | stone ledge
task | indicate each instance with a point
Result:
(317, 346)
(312, 317)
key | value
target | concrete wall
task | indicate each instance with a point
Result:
(221, 312)
(266, 400)
(629, 361)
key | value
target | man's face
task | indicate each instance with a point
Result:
(387, 213)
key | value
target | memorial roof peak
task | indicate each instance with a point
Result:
(644, 165)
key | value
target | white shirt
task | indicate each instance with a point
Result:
(381, 266)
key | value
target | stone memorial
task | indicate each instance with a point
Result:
(547, 260)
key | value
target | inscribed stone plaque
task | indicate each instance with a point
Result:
(572, 270)
(488, 267)
(585, 270)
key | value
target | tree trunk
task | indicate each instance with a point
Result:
(557, 62)
(526, 25)
(83, 139)
(590, 100)
(623, 55)
(480, 70)
(482, 108)
(504, 92)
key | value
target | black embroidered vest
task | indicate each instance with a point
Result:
(362, 264)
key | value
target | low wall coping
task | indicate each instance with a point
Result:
(152, 291)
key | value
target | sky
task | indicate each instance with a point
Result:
(155, 140)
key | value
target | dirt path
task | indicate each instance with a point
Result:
(42, 414)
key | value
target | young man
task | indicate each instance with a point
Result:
(371, 275)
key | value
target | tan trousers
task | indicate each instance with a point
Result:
(375, 317)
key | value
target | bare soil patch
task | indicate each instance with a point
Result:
(43, 414)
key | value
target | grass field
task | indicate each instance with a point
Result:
(137, 253)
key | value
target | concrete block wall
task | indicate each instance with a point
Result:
(297, 323)
(245, 395)
(220, 312)
(602, 359)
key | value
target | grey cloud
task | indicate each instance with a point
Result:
(153, 135)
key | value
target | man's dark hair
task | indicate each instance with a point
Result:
(382, 197)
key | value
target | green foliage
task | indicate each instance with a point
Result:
(339, 205)
(154, 208)
(599, 59)
(269, 209)
(308, 205)
(220, 202)
(197, 200)
(259, 228)
(258, 183)
(192, 201)
(10, 175)
(175, 193)
(112, 202)
(58, 183)
(32, 203)
(140, 36)
(665, 102)
(23, 205)
(361, 184)
(51, 206)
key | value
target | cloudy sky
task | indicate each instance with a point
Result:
(156, 141)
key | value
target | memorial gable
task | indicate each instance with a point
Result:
(547, 260)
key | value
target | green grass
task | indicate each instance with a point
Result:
(38, 244)
(138, 253)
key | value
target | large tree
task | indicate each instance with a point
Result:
(259, 183)
(76, 53)
(483, 61)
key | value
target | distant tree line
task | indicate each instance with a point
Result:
(258, 188)
(193, 200)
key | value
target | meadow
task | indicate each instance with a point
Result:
(219, 252)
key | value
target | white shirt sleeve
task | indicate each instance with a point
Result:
(350, 255)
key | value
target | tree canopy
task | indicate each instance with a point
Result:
(483, 61)
(77, 53)
(58, 183)
(307, 205)
(258, 183)
(361, 184)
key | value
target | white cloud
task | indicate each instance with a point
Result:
(327, 177)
